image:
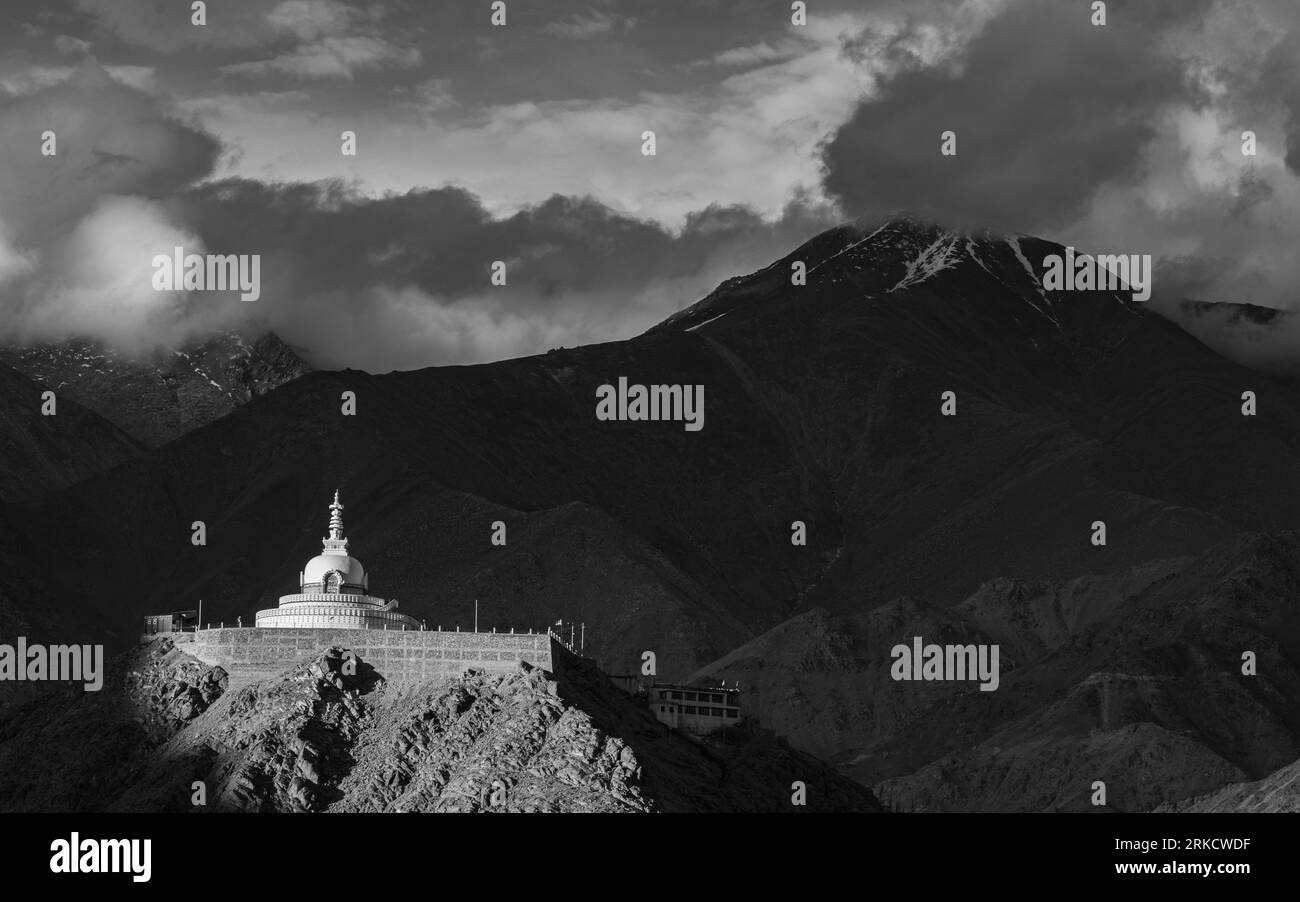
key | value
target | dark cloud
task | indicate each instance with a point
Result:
(111, 139)
(403, 281)
(1046, 108)
(1125, 135)
(396, 281)
(1279, 77)
(78, 228)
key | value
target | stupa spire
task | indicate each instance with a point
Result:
(336, 518)
(335, 543)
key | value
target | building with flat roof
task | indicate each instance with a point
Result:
(696, 709)
(175, 622)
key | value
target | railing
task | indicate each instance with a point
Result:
(389, 616)
(335, 597)
(565, 643)
(341, 613)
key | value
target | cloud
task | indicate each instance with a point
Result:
(588, 24)
(749, 138)
(112, 139)
(139, 77)
(96, 281)
(394, 281)
(1046, 109)
(67, 44)
(1259, 337)
(1117, 139)
(755, 54)
(311, 20)
(14, 263)
(167, 27)
(332, 40)
(1125, 138)
(32, 79)
(1221, 225)
(79, 229)
(332, 57)
(403, 281)
(433, 95)
(37, 78)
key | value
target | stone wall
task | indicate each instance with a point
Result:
(393, 653)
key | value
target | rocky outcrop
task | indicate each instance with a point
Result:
(492, 743)
(169, 689)
(333, 735)
(1278, 792)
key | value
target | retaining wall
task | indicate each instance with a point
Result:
(393, 653)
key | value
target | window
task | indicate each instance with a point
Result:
(716, 712)
(677, 696)
(690, 696)
(717, 699)
(732, 713)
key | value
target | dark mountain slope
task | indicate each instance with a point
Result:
(518, 435)
(40, 453)
(1072, 407)
(822, 405)
(1133, 678)
(159, 396)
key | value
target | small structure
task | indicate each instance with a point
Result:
(696, 709)
(333, 592)
(175, 622)
(632, 683)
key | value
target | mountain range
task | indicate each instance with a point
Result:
(824, 405)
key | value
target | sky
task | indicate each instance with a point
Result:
(522, 143)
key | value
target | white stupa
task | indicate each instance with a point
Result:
(332, 592)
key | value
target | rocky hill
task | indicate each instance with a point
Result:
(325, 737)
(1278, 792)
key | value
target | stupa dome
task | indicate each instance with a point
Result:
(350, 571)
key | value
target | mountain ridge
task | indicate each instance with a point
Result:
(159, 396)
(824, 408)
